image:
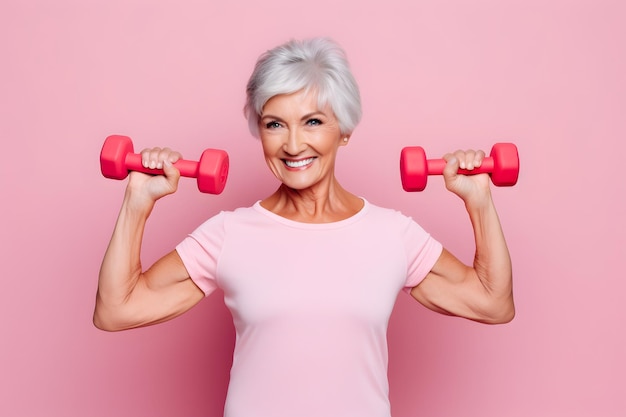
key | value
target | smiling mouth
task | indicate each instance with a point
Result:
(298, 164)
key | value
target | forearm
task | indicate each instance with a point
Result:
(492, 261)
(121, 266)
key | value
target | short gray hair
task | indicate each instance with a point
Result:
(318, 65)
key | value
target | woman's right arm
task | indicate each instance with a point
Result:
(128, 296)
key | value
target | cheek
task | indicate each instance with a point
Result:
(331, 145)
(270, 157)
(325, 140)
(267, 146)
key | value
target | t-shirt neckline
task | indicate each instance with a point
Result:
(317, 226)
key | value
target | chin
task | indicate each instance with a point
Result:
(298, 185)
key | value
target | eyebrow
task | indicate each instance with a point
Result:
(305, 117)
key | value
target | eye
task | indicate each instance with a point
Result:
(314, 122)
(272, 125)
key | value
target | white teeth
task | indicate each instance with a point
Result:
(298, 164)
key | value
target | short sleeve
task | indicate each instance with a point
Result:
(200, 252)
(422, 252)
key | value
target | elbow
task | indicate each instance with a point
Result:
(109, 319)
(510, 315)
(501, 313)
(503, 318)
(101, 322)
(101, 325)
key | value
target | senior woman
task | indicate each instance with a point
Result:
(311, 272)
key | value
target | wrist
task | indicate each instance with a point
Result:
(478, 202)
(138, 202)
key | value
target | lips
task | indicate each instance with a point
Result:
(299, 163)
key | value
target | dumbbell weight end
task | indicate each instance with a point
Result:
(213, 171)
(413, 168)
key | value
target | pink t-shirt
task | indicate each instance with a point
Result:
(311, 304)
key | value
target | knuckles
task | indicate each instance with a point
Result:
(153, 158)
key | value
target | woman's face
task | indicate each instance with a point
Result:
(300, 140)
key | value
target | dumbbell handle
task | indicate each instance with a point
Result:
(187, 168)
(436, 166)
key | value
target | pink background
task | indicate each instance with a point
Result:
(548, 75)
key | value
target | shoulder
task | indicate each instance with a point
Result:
(217, 224)
(383, 214)
(395, 222)
(228, 216)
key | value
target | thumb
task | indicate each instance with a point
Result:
(452, 167)
(172, 174)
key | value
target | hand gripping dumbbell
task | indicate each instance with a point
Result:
(502, 165)
(117, 159)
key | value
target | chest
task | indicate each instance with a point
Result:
(309, 275)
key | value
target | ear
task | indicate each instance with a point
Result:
(345, 139)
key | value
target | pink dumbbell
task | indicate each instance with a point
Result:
(502, 165)
(117, 159)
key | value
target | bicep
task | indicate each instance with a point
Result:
(450, 288)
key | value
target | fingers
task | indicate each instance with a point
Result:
(467, 160)
(154, 158)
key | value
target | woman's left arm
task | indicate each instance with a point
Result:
(484, 291)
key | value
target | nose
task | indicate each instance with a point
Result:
(294, 144)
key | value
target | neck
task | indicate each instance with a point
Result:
(314, 205)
